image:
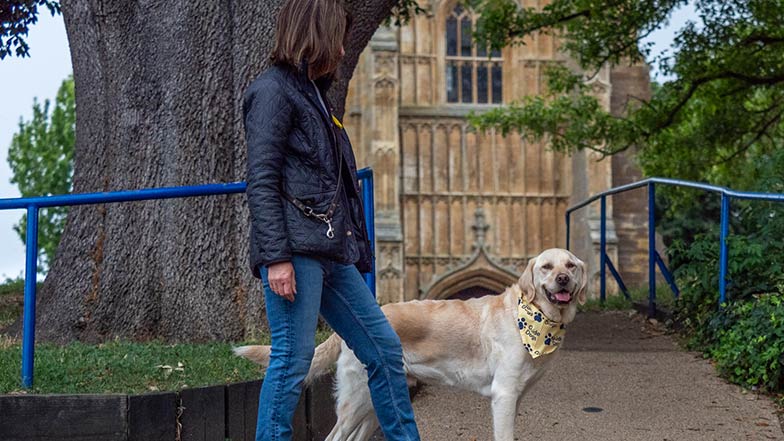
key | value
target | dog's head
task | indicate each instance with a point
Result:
(553, 281)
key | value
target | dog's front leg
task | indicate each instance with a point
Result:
(504, 406)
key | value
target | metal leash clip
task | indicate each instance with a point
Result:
(328, 221)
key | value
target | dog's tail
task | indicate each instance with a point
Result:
(325, 356)
(257, 354)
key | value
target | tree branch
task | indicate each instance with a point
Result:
(762, 131)
(759, 38)
(547, 24)
(619, 50)
(694, 85)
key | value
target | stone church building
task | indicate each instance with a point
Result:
(459, 212)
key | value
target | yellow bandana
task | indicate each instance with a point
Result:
(540, 335)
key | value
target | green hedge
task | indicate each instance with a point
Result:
(750, 351)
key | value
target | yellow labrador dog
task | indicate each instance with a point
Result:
(493, 345)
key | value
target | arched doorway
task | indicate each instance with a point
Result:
(477, 276)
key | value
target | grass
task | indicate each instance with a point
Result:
(119, 366)
(612, 303)
(127, 367)
(123, 367)
(664, 297)
(664, 300)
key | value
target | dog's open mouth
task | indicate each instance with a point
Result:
(561, 297)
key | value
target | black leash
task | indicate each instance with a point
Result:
(307, 210)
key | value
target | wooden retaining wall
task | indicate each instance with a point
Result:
(216, 413)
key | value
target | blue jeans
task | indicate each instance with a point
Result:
(339, 293)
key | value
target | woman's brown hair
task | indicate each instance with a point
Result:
(312, 30)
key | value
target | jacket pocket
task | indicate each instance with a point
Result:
(309, 233)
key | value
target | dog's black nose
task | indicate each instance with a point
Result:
(562, 279)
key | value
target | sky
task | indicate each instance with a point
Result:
(41, 74)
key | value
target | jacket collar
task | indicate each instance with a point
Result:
(323, 83)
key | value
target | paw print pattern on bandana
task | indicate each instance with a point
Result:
(539, 334)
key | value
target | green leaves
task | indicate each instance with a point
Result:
(16, 16)
(750, 351)
(561, 119)
(41, 159)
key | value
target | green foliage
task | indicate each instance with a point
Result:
(751, 351)
(11, 293)
(16, 16)
(593, 31)
(753, 269)
(727, 98)
(41, 158)
(558, 115)
(12, 287)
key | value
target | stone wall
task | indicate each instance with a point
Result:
(631, 208)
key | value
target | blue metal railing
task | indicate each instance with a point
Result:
(654, 259)
(33, 204)
(365, 176)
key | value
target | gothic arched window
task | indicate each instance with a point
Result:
(472, 75)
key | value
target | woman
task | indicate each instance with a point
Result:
(308, 239)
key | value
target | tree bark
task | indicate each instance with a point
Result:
(158, 96)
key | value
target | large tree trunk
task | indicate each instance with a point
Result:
(158, 96)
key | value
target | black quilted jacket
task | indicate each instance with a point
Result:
(292, 148)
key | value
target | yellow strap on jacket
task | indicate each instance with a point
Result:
(540, 335)
(337, 122)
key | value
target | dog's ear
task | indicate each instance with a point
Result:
(582, 290)
(526, 281)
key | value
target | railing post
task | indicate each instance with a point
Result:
(602, 250)
(725, 222)
(31, 275)
(369, 206)
(568, 229)
(651, 250)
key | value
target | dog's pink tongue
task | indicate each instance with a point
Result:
(563, 296)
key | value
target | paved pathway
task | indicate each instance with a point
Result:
(647, 388)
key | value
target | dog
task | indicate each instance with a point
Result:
(493, 345)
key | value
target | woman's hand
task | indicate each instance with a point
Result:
(281, 280)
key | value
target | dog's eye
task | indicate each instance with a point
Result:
(570, 265)
(547, 266)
